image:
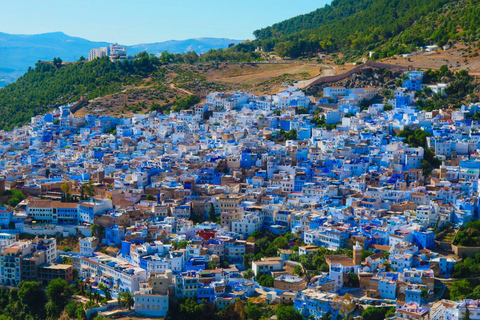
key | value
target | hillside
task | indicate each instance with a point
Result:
(386, 26)
(19, 52)
(146, 83)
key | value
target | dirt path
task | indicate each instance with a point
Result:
(181, 89)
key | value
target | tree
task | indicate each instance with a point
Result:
(190, 309)
(328, 316)
(247, 260)
(97, 230)
(106, 290)
(353, 280)
(71, 308)
(298, 270)
(150, 197)
(424, 293)
(91, 305)
(211, 213)
(374, 313)
(59, 292)
(460, 290)
(253, 312)
(32, 296)
(126, 300)
(390, 312)
(52, 309)
(291, 135)
(212, 264)
(89, 189)
(195, 218)
(366, 254)
(248, 274)
(57, 62)
(266, 280)
(426, 167)
(345, 304)
(257, 234)
(281, 242)
(466, 315)
(285, 312)
(66, 190)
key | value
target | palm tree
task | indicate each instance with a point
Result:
(126, 300)
(106, 290)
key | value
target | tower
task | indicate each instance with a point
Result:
(443, 171)
(2, 185)
(357, 254)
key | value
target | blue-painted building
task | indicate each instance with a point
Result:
(414, 81)
(196, 264)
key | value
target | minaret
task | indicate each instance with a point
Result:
(443, 171)
(357, 254)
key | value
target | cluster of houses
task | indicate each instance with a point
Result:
(178, 196)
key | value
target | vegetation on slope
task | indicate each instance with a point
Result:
(50, 85)
(47, 86)
(397, 26)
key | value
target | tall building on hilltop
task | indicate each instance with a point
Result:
(98, 53)
(114, 51)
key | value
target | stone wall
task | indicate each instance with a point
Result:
(347, 74)
(465, 251)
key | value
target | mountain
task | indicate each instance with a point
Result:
(19, 52)
(386, 26)
(200, 45)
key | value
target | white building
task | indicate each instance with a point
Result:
(88, 246)
(151, 305)
(247, 225)
(7, 239)
(98, 53)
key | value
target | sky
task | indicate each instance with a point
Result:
(132, 22)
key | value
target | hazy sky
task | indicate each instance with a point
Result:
(140, 21)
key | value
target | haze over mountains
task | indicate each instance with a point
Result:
(18, 52)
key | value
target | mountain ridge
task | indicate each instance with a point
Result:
(388, 27)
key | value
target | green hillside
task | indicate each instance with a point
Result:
(365, 25)
(48, 85)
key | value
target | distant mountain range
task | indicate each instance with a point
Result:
(18, 52)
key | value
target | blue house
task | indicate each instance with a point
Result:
(209, 176)
(285, 124)
(424, 239)
(206, 292)
(248, 159)
(67, 214)
(414, 81)
(196, 264)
